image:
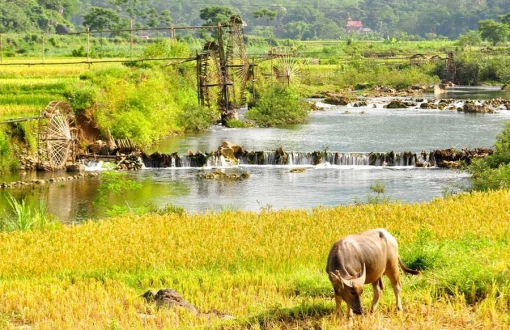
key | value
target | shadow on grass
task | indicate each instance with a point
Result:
(304, 316)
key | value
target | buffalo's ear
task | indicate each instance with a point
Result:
(337, 281)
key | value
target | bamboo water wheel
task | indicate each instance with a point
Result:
(57, 136)
(285, 65)
(239, 69)
(224, 70)
(210, 76)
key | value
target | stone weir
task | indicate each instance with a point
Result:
(229, 154)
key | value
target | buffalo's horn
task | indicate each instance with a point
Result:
(339, 280)
(363, 275)
(344, 281)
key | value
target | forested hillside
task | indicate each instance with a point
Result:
(325, 19)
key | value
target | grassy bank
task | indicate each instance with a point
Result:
(266, 269)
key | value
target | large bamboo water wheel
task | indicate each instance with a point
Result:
(210, 76)
(57, 136)
(239, 69)
(224, 69)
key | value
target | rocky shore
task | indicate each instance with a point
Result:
(385, 97)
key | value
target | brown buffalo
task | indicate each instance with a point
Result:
(361, 259)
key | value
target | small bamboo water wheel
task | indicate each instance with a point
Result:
(57, 136)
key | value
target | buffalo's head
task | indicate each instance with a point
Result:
(350, 289)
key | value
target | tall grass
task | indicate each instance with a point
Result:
(24, 217)
(264, 268)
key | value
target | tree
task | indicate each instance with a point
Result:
(66, 8)
(212, 15)
(493, 31)
(270, 15)
(505, 19)
(13, 19)
(470, 38)
(100, 18)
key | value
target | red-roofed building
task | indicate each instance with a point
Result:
(352, 25)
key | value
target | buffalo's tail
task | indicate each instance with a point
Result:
(405, 269)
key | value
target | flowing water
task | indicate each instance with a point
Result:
(343, 129)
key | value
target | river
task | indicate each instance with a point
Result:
(337, 128)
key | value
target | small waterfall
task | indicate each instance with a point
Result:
(294, 158)
(94, 165)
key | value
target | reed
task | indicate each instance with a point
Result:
(264, 268)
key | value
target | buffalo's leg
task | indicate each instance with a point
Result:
(395, 283)
(338, 300)
(378, 288)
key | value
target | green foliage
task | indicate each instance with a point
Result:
(484, 179)
(25, 218)
(5, 152)
(99, 19)
(470, 278)
(212, 15)
(141, 104)
(168, 209)
(195, 118)
(493, 172)
(163, 48)
(79, 52)
(379, 198)
(279, 105)
(81, 96)
(425, 251)
(31, 16)
(493, 31)
(470, 38)
(232, 123)
(472, 68)
(160, 48)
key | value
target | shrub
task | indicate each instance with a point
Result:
(279, 105)
(79, 52)
(139, 103)
(163, 48)
(194, 118)
(81, 96)
(493, 172)
(5, 152)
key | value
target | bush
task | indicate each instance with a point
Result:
(79, 52)
(163, 48)
(195, 118)
(279, 105)
(5, 152)
(141, 104)
(493, 172)
(81, 96)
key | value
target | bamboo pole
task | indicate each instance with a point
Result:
(88, 45)
(172, 34)
(131, 38)
(43, 40)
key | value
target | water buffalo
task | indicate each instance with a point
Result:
(360, 259)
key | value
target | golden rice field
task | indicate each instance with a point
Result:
(264, 269)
